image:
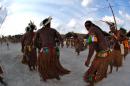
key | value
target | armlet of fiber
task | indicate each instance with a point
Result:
(57, 51)
(89, 40)
(46, 50)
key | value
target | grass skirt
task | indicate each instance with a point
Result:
(29, 56)
(49, 66)
(98, 70)
(116, 58)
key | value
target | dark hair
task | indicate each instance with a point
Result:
(45, 21)
(88, 23)
(27, 29)
(123, 30)
(103, 32)
(32, 26)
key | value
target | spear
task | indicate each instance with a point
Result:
(3, 18)
(112, 14)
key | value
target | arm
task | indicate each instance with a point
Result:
(59, 37)
(37, 41)
(22, 42)
(90, 53)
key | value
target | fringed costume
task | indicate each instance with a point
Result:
(30, 56)
(97, 42)
(98, 69)
(49, 65)
(29, 52)
(126, 47)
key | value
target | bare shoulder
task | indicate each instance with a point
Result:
(25, 34)
(54, 30)
(40, 30)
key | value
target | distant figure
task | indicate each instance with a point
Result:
(28, 48)
(67, 42)
(79, 45)
(115, 45)
(49, 66)
(124, 40)
(62, 44)
(7, 45)
(98, 69)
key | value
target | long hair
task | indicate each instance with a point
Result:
(103, 32)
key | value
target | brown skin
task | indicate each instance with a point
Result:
(122, 37)
(27, 39)
(118, 36)
(100, 45)
(77, 44)
(46, 36)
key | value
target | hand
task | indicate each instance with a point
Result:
(87, 63)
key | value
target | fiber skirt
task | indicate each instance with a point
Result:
(49, 66)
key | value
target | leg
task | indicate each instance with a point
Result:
(111, 68)
(34, 67)
(77, 52)
(58, 77)
(116, 68)
(29, 65)
(91, 84)
(29, 62)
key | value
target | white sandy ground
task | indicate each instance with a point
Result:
(17, 74)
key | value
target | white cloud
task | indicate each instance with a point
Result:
(120, 12)
(90, 18)
(125, 15)
(18, 7)
(15, 24)
(63, 2)
(72, 23)
(86, 2)
(55, 24)
(111, 19)
(126, 18)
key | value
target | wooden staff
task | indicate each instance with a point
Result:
(3, 18)
(112, 14)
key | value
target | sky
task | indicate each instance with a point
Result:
(68, 15)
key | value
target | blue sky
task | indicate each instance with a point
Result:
(68, 15)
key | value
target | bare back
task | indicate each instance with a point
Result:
(47, 37)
